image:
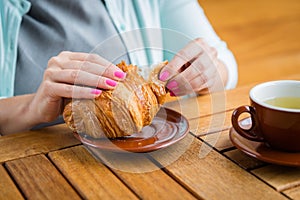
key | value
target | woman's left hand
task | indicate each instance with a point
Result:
(195, 68)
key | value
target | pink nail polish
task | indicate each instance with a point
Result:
(172, 84)
(164, 76)
(172, 94)
(120, 74)
(111, 82)
(96, 91)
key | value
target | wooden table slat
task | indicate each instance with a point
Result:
(39, 179)
(142, 175)
(190, 107)
(214, 176)
(293, 193)
(280, 177)
(90, 178)
(243, 160)
(35, 142)
(211, 124)
(221, 142)
(8, 190)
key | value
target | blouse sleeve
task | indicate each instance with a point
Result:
(11, 13)
(188, 18)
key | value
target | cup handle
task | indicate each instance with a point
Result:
(252, 132)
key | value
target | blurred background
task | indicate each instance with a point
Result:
(264, 36)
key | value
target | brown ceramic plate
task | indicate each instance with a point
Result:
(261, 151)
(167, 128)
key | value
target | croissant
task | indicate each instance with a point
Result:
(123, 111)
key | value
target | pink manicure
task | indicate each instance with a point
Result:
(96, 91)
(120, 74)
(172, 94)
(172, 84)
(111, 82)
(164, 76)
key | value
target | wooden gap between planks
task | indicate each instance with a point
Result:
(176, 179)
(13, 180)
(162, 168)
(101, 161)
(50, 160)
(115, 174)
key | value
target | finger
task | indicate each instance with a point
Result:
(187, 54)
(182, 79)
(112, 72)
(203, 65)
(180, 84)
(64, 56)
(205, 61)
(202, 69)
(213, 52)
(95, 58)
(92, 58)
(194, 70)
(201, 82)
(197, 66)
(79, 77)
(70, 91)
(88, 62)
(193, 86)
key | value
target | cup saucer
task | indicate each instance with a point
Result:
(261, 151)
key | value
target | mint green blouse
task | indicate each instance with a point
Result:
(176, 18)
(11, 12)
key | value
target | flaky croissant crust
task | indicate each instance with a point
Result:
(119, 112)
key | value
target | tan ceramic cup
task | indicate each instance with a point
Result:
(278, 127)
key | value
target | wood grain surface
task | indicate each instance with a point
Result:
(215, 177)
(293, 193)
(35, 142)
(90, 178)
(143, 176)
(280, 177)
(8, 190)
(39, 179)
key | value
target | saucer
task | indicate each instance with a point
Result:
(261, 151)
(167, 128)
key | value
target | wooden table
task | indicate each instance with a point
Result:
(51, 163)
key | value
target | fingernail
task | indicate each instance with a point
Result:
(111, 82)
(120, 74)
(164, 76)
(172, 84)
(172, 94)
(96, 91)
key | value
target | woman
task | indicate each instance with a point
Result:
(45, 45)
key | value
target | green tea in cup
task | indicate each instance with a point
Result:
(285, 102)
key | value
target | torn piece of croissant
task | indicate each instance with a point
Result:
(123, 111)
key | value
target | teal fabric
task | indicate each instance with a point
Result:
(11, 12)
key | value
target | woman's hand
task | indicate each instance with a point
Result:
(72, 75)
(195, 68)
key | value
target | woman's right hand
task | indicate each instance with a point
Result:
(72, 75)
